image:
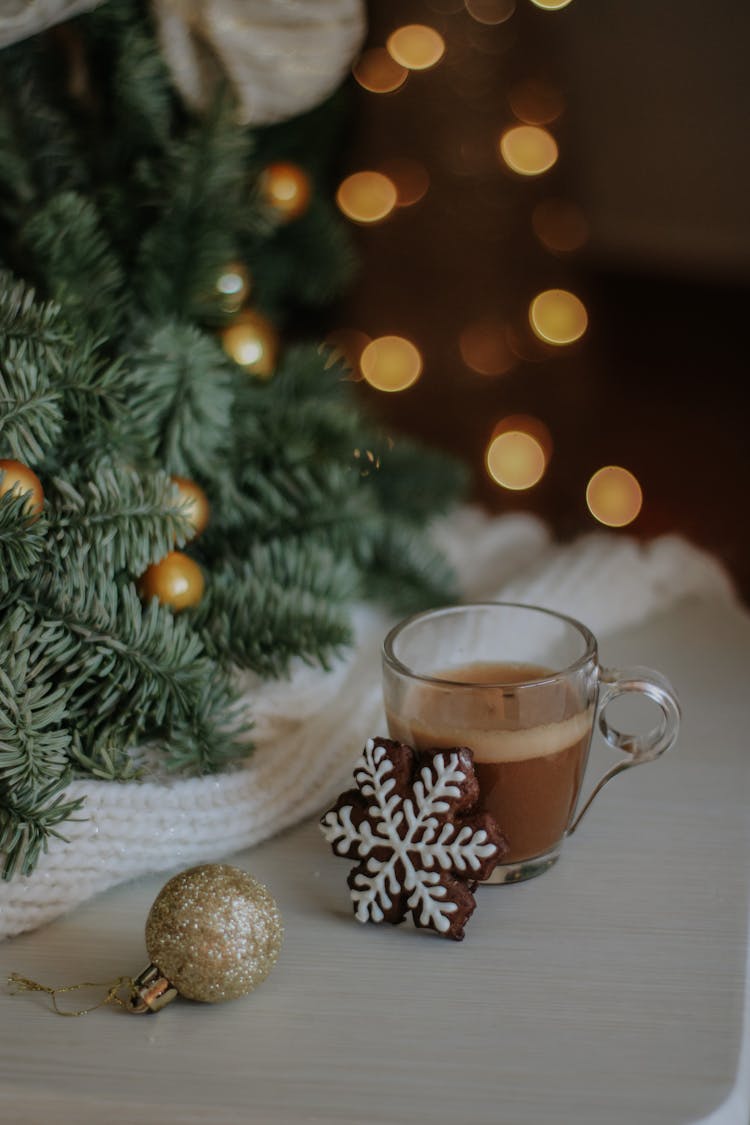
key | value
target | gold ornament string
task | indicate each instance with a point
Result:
(23, 984)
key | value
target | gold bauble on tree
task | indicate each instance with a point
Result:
(176, 580)
(20, 479)
(285, 189)
(195, 501)
(213, 934)
(252, 342)
(233, 286)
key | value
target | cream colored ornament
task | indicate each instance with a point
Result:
(282, 57)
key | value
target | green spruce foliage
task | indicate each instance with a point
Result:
(117, 212)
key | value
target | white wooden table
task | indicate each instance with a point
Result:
(610, 991)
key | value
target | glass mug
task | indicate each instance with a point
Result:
(522, 687)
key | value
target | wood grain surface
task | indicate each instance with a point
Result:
(609, 991)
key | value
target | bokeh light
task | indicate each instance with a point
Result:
(377, 71)
(391, 363)
(416, 46)
(614, 496)
(528, 150)
(484, 347)
(346, 345)
(558, 317)
(527, 424)
(560, 225)
(410, 179)
(233, 286)
(551, 5)
(515, 460)
(252, 342)
(367, 197)
(490, 12)
(535, 102)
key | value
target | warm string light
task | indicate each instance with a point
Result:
(391, 363)
(614, 496)
(528, 150)
(519, 451)
(551, 5)
(558, 317)
(367, 197)
(416, 46)
(515, 459)
(377, 71)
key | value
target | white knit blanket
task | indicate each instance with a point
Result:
(309, 729)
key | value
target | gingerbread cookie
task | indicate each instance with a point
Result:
(420, 848)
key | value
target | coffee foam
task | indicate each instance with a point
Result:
(508, 745)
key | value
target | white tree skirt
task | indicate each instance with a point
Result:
(309, 729)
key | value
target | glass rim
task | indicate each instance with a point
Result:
(590, 653)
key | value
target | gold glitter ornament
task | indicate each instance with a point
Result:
(214, 933)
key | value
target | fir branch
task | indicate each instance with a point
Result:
(106, 757)
(310, 261)
(262, 623)
(123, 665)
(415, 482)
(288, 502)
(24, 318)
(142, 96)
(119, 520)
(201, 189)
(33, 740)
(204, 740)
(22, 541)
(28, 821)
(34, 743)
(180, 398)
(30, 410)
(95, 407)
(68, 245)
(406, 572)
(40, 155)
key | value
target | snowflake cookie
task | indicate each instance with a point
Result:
(410, 826)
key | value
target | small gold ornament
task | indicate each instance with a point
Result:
(285, 188)
(213, 934)
(176, 580)
(19, 478)
(195, 501)
(252, 342)
(233, 286)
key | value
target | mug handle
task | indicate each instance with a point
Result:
(614, 682)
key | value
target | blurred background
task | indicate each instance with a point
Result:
(550, 200)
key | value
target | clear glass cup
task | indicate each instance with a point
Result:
(522, 687)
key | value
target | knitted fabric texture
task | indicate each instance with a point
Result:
(309, 729)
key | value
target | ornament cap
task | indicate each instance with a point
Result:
(151, 991)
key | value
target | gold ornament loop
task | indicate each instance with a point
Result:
(19, 983)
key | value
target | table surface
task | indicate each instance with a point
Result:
(611, 990)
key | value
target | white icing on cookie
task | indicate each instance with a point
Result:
(409, 831)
